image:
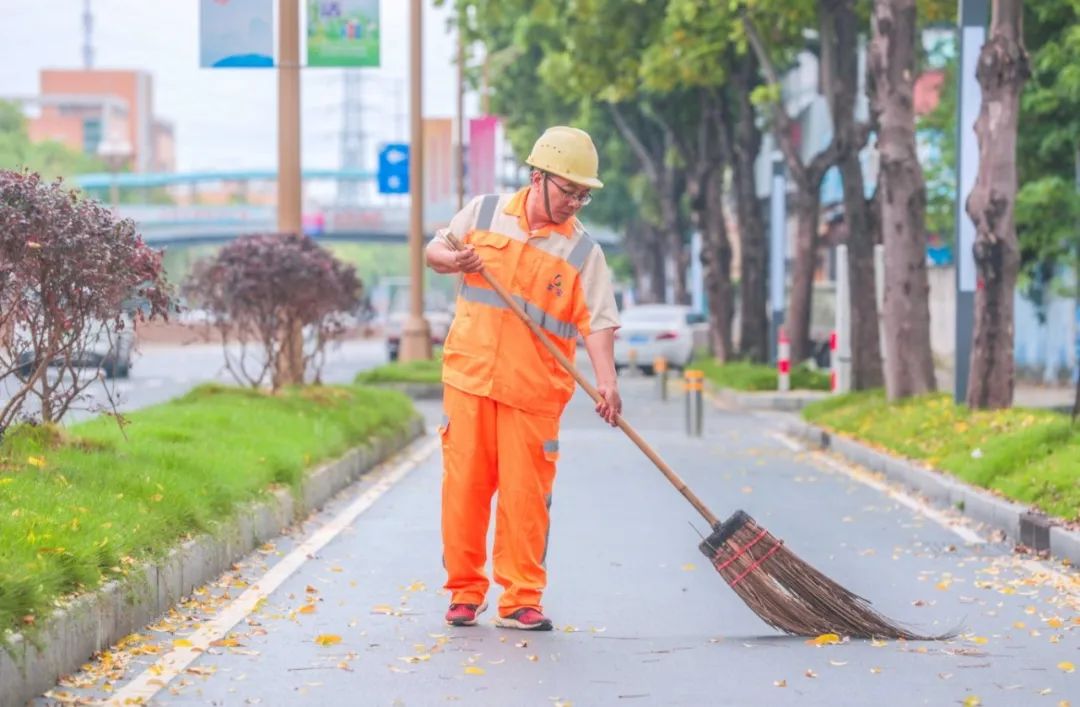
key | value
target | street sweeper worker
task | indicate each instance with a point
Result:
(503, 391)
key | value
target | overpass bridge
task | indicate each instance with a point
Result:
(385, 220)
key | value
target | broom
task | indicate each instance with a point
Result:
(781, 588)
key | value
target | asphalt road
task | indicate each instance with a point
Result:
(641, 618)
(161, 372)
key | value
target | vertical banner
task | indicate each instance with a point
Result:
(439, 194)
(343, 33)
(482, 155)
(236, 33)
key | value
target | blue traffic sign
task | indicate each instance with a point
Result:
(394, 169)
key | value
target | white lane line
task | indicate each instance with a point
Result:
(152, 680)
(793, 445)
(921, 507)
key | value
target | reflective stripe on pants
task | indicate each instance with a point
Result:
(489, 447)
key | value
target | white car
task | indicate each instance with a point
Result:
(651, 330)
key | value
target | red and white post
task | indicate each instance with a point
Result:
(834, 380)
(783, 361)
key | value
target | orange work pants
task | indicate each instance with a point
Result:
(489, 447)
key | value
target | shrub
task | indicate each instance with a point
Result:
(284, 295)
(69, 272)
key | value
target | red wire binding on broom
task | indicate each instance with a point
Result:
(757, 563)
(741, 550)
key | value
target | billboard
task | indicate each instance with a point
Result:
(343, 33)
(236, 33)
(482, 133)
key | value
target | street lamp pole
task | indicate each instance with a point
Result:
(290, 363)
(459, 155)
(416, 334)
(288, 177)
(973, 17)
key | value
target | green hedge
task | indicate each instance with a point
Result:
(743, 375)
(1031, 456)
(81, 506)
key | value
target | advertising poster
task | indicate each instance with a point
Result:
(343, 33)
(439, 179)
(236, 33)
(482, 155)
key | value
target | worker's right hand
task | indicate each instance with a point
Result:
(466, 260)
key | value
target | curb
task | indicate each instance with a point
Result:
(791, 401)
(1019, 523)
(416, 391)
(99, 619)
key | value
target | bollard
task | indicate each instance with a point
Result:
(660, 368)
(783, 362)
(695, 408)
(834, 382)
(632, 354)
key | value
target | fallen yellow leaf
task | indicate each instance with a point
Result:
(825, 639)
(1019, 624)
(182, 643)
(39, 462)
(307, 609)
(327, 639)
(972, 701)
(980, 640)
(689, 567)
(474, 670)
(383, 609)
(780, 683)
(810, 673)
(1066, 666)
(878, 644)
(1054, 622)
(225, 643)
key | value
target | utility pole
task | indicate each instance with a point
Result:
(459, 154)
(88, 35)
(777, 250)
(416, 334)
(972, 18)
(290, 367)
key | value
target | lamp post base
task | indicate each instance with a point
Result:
(415, 340)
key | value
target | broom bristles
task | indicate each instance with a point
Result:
(787, 592)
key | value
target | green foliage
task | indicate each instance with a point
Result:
(404, 372)
(1032, 456)
(79, 508)
(49, 158)
(745, 375)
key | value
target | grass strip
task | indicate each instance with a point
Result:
(1030, 456)
(747, 376)
(402, 372)
(79, 506)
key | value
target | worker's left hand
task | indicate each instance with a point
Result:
(611, 406)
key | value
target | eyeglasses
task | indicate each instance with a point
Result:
(582, 198)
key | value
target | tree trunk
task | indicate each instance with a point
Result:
(839, 25)
(1002, 71)
(745, 143)
(644, 248)
(797, 323)
(716, 257)
(673, 234)
(807, 179)
(902, 195)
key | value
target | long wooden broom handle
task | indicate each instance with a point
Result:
(666, 470)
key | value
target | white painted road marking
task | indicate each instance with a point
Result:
(152, 680)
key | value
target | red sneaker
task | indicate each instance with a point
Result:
(526, 619)
(464, 614)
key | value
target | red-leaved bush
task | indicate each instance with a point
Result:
(281, 293)
(71, 273)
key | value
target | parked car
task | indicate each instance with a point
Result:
(105, 348)
(651, 330)
(437, 311)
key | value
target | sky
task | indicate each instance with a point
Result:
(226, 118)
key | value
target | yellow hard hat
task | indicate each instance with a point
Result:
(568, 153)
